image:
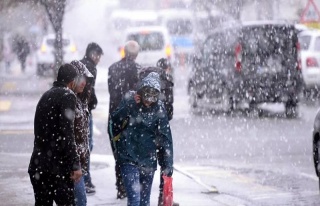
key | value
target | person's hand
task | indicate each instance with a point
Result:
(137, 98)
(167, 171)
(76, 175)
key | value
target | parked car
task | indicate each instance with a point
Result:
(45, 54)
(154, 44)
(316, 144)
(248, 64)
(310, 61)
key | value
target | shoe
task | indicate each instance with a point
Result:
(89, 184)
(175, 204)
(90, 191)
(121, 194)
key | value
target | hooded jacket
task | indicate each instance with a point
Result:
(54, 149)
(147, 128)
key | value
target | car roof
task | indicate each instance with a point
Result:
(135, 15)
(311, 32)
(266, 22)
(175, 13)
(147, 28)
(53, 36)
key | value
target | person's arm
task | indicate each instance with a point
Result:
(165, 145)
(66, 125)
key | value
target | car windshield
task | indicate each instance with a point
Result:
(65, 42)
(305, 42)
(179, 26)
(148, 41)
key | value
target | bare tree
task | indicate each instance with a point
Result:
(55, 10)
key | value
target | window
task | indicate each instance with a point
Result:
(148, 41)
(305, 42)
(65, 42)
(179, 26)
(317, 44)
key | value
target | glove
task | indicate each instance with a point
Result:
(167, 171)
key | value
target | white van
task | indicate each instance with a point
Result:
(154, 44)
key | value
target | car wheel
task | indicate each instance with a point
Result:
(40, 69)
(227, 101)
(254, 110)
(291, 110)
(193, 98)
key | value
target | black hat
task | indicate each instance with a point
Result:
(66, 73)
(93, 47)
(163, 63)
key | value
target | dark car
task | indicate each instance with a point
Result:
(248, 64)
(316, 143)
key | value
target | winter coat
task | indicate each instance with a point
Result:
(122, 77)
(93, 101)
(147, 128)
(54, 149)
(81, 130)
(167, 84)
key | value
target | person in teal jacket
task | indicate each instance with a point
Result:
(139, 125)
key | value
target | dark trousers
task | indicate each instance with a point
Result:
(48, 188)
(87, 177)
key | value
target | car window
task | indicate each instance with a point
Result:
(179, 26)
(65, 42)
(148, 41)
(305, 42)
(266, 40)
(317, 44)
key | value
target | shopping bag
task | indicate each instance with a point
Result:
(167, 191)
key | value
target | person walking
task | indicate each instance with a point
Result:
(22, 49)
(91, 60)
(81, 127)
(55, 164)
(163, 68)
(147, 129)
(122, 77)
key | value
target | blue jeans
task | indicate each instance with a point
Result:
(80, 193)
(87, 177)
(138, 183)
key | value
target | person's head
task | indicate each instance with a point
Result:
(149, 89)
(67, 74)
(164, 64)
(94, 52)
(82, 75)
(131, 50)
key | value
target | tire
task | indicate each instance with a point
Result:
(40, 70)
(291, 109)
(193, 99)
(227, 102)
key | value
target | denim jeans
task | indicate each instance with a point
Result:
(87, 177)
(138, 183)
(80, 193)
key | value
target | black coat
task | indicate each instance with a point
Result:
(54, 149)
(122, 77)
(93, 100)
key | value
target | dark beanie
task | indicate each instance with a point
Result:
(93, 47)
(66, 73)
(163, 63)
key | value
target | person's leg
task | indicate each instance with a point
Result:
(146, 178)
(87, 177)
(42, 193)
(80, 193)
(130, 174)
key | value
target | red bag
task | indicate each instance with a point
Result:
(167, 191)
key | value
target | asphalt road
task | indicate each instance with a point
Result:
(251, 160)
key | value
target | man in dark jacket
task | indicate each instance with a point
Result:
(54, 164)
(122, 77)
(91, 60)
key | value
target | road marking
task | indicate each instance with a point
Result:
(5, 105)
(4, 132)
(8, 86)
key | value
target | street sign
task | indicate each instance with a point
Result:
(310, 14)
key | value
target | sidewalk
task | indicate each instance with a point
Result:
(186, 192)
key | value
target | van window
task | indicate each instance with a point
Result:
(317, 44)
(148, 41)
(305, 42)
(65, 42)
(179, 27)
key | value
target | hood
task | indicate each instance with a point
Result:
(152, 80)
(81, 69)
